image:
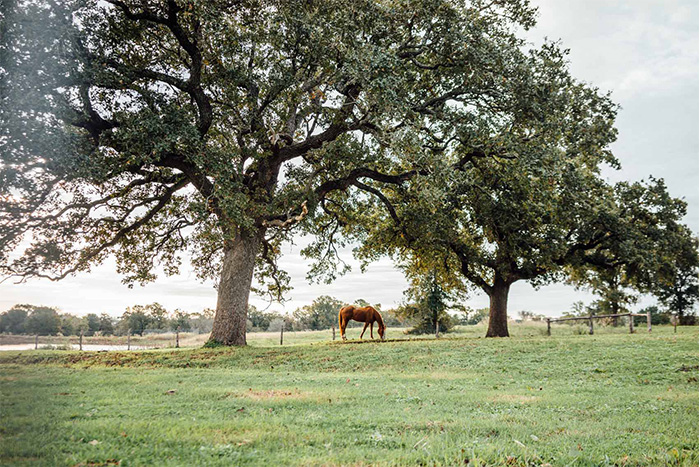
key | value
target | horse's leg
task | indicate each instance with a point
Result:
(371, 329)
(363, 330)
(343, 325)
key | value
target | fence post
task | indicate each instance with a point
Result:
(177, 338)
(36, 342)
(437, 329)
(590, 324)
(675, 323)
(649, 321)
(80, 342)
(333, 327)
(631, 323)
(549, 327)
(282, 334)
(128, 340)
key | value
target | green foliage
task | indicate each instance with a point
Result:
(261, 320)
(473, 317)
(92, 324)
(202, 322)
(136, 320)
(146, 129)
(43, 320)
(679, 289)
(521, 212)
(644, 247)
(530, 316)
(212, 344)
(391, 318)
(422, 319)
(428, 304)
(70, 324)
(180, 321)
(158, 316)
(176, 121)
(106, 326)
(578, 309)
(657, 316)
(13, 321)
(321, 314)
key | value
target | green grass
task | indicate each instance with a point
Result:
(268, 339)
(607, 399)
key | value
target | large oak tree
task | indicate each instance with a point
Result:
(146, 129)
(531, 206)
(545, 219)
(647, 249)
(538, 210)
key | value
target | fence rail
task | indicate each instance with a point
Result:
(590, 319)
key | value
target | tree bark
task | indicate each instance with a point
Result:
(498, 309)
(229, 326)
(615, 310)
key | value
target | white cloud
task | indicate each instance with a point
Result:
(630, 47)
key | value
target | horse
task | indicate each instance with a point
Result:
(365, 314)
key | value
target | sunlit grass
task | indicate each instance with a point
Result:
(570, 399)
(167, 340)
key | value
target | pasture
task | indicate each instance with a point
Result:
(529, 400)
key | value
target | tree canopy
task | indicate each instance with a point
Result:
(155, 130)
(542, 213)
(321, 314)
(145, 129)
(427, 305)
(524, 215)
(645, 248)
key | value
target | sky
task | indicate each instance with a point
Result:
(644, 51)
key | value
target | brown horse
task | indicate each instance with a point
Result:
(366, 314)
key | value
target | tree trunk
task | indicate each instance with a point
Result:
(229, 326)
(615, 306)
(498, 309)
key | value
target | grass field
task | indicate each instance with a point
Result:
(267, 339)
(569, 399)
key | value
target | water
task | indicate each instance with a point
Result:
(86, 347)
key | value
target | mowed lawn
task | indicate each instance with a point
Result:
(607, 399)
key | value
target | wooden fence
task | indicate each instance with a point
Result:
(590, 319)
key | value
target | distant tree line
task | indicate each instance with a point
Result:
(46, 320)
(321, 314)
(425, 304)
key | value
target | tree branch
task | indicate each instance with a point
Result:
(88, 254)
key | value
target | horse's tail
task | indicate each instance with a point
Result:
(340, 315)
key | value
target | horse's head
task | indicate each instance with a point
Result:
(381, 330)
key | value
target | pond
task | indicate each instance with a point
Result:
(86, 347)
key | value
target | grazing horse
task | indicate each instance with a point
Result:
(365, 314)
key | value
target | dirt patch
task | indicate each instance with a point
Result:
(514, 398)
(99, 463)
(435, 375)
(272, 394)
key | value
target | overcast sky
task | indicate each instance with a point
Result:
(644, 51)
